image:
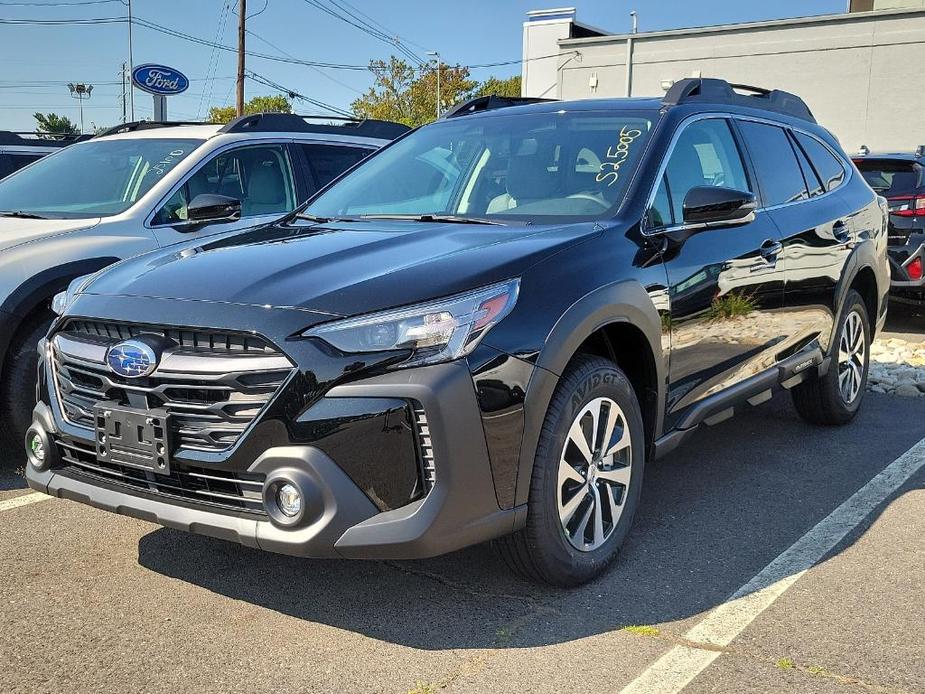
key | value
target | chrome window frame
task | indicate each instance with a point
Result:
(663, 165)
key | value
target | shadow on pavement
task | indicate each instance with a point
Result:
(713, 514)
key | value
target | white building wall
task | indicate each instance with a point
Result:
(859, 73)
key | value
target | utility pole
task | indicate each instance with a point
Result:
(242, 9)
(629, 54)
(131, 62)
(437, 60)
(80, 91)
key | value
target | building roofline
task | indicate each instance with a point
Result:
(766, 24)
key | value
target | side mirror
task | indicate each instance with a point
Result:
(714, 206)
(209, 207)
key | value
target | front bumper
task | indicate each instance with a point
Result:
(460, 509)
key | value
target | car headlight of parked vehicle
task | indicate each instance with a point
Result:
(62, 300)
(436, 331)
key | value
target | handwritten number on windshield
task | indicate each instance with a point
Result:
(616, 155)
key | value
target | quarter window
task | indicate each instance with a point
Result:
(705, 154)
(813, 185)
(260, 177)
(776, 165)
(828, 167)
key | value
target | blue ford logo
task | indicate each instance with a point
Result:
(159, 79)
(132, 359)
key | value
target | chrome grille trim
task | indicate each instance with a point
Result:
(226, 490)
(213, 394)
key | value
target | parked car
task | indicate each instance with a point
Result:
(19, 149)
(142, 186)
(482, 332)
(900, 178)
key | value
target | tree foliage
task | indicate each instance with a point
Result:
(51, 125)
(259, 104)
(408, 95)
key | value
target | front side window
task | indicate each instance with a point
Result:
(830, 170)
(776, 165)
(97, 178)
(259, 177)
(705, 154)
(570, 165)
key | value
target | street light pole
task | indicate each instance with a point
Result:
(131, 64)
(80, 91)
(437, 60)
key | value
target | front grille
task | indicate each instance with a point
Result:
(212, 384)
(227, 490)
(425, 449)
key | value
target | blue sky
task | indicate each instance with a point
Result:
(36, 62)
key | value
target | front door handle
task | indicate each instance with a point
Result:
(770, 249)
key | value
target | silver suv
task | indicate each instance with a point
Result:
(142, 186)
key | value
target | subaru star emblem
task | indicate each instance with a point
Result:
(132, 359)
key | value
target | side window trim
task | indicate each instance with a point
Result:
(739, 117)
(149, 219)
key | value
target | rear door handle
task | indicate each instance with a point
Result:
(770, 249)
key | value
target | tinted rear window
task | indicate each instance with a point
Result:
(890, 178)
(779, 174)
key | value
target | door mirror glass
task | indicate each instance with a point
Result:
(211, 208)
(716, 205)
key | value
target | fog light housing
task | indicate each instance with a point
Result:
(37, 449)
(289, 500)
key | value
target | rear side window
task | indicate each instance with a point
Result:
(704, 155)
(891, 178)
(14, 162)
(327, 162)
(830, 170)
(776, 165)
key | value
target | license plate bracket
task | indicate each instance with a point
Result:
(132, 437)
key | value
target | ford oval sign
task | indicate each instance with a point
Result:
(159, 80)
(132, 359)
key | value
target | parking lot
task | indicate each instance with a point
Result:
(94, 601)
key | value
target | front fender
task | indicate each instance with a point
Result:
(620, 302)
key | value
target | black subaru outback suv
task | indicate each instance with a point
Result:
(900, 178)
(483, 332)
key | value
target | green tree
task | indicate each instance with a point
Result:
(259, 104)
(408, 95)
(500, 87)
(51, 125)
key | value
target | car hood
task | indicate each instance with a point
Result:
(15, 231)
(343, 269)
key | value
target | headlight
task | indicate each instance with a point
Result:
(62, 300)
(437, 331)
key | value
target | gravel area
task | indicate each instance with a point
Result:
(897, 367)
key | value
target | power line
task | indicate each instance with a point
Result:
(292, 94)
(60, 4)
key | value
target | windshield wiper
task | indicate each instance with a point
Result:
(19, 214)
(448, 218)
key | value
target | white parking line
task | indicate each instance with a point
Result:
(23, 500)
(675, 670)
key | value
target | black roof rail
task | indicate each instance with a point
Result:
(137, 125)
(294, 123)
(29, 138)
(717, 91)
(490, 103)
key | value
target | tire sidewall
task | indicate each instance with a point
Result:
(853, 303)
(603, 380)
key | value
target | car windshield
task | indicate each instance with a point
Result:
(98, 178)
(568, 165)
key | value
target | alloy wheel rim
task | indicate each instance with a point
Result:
(852, 353)
(594, 474)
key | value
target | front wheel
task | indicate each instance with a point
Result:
(835, 398)
(17, 389)
(587, 477)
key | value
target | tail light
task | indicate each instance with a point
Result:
(914, 269)
(907, 205)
